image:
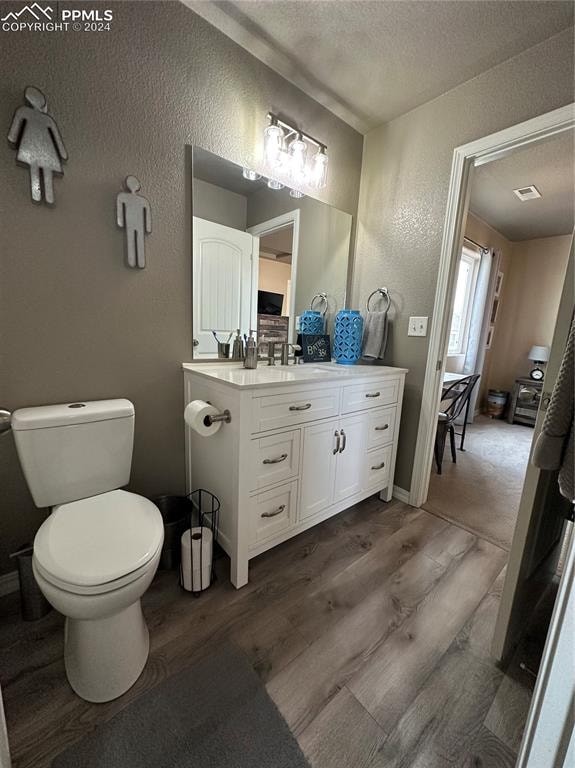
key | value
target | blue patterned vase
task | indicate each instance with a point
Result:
(348, 333)
(311, 321)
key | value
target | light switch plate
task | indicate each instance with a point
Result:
(417, 326)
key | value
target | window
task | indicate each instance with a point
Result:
(463, 302)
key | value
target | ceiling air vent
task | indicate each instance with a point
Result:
(527, 193)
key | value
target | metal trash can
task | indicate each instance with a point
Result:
(496, 403)
(33, 604)
(175, 511)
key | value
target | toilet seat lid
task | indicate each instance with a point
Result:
(100, 539)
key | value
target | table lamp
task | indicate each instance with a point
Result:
(539, 355)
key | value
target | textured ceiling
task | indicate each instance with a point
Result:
(369, 61)
(550, 166)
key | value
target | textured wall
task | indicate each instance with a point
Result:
(76, 323)
(405, 180)
(531, 292)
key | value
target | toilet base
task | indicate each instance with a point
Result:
(104, 657)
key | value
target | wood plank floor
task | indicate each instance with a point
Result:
(371, 631)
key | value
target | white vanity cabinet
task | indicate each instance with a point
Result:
(303, 444)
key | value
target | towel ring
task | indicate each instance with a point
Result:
(322, 297)
(382, 292)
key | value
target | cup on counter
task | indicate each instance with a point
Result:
(223, 350)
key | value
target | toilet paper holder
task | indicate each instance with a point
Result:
(225, 416)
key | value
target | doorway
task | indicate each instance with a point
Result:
(540, 518)
(275, 276)
(508, 285)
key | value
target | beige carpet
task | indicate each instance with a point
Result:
(481, 492)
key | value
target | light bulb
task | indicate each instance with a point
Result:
(298, 152)
(273, 144)
(319, 172)
(273, 184)
(296, 193)
(250, 175)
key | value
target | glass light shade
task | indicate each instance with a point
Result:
(296, 193)
(250, 175)
(298, 154)
(273, 144)
(319, 172)
(538, 354)
(273, 184)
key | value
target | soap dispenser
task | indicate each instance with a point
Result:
(238, 348)
(251, 356)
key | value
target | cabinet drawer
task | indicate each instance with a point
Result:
(274, 459)
(376, 473)
(380, 427)
(363, 396)
(272, 513)
(275, 411)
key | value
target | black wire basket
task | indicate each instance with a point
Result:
(199, 542)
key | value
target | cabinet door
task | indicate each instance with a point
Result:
(349, 465)
(318, 468)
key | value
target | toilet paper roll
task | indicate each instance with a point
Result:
(195, 416)
(201, 555)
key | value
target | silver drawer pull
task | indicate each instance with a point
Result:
(337, 441)
(277, 511)
(277, 460)
(380, 429)
(373, 394)
(379, 466)
(300, 407)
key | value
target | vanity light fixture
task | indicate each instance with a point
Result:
(287, 153)
(298, 155)
(296, 193)
(250, 175)
(273, 184)
(273, 143)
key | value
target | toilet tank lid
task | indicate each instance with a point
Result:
(81, 412)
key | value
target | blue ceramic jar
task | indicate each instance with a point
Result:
(311, 321)
(348, 335)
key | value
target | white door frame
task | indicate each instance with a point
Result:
(265, 228)
(549, 738)
(476, 153)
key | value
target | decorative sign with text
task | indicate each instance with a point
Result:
(315, 348)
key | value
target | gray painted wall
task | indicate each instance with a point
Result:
(217, 204)
(76, 323)
(405, 180)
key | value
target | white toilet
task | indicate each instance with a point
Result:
(96, 554)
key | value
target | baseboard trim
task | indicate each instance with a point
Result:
(401, 494)
(9, 582)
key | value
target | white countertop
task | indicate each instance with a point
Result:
(265, 375)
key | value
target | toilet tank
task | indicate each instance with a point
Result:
(75, 450)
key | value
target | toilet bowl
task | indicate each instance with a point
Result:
(93, 560)
(98, 551)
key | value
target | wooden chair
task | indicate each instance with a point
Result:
(455, 398)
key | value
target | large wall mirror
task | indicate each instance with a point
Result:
(260, 256)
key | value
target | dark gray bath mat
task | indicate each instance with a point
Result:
(216, 714)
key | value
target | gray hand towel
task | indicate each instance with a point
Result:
(554, 446)
(375, 335)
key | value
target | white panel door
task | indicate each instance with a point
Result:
(222, 283)
(318, 468)
(350, 459)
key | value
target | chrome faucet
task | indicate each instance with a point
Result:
(285, 351)
(271, 356)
